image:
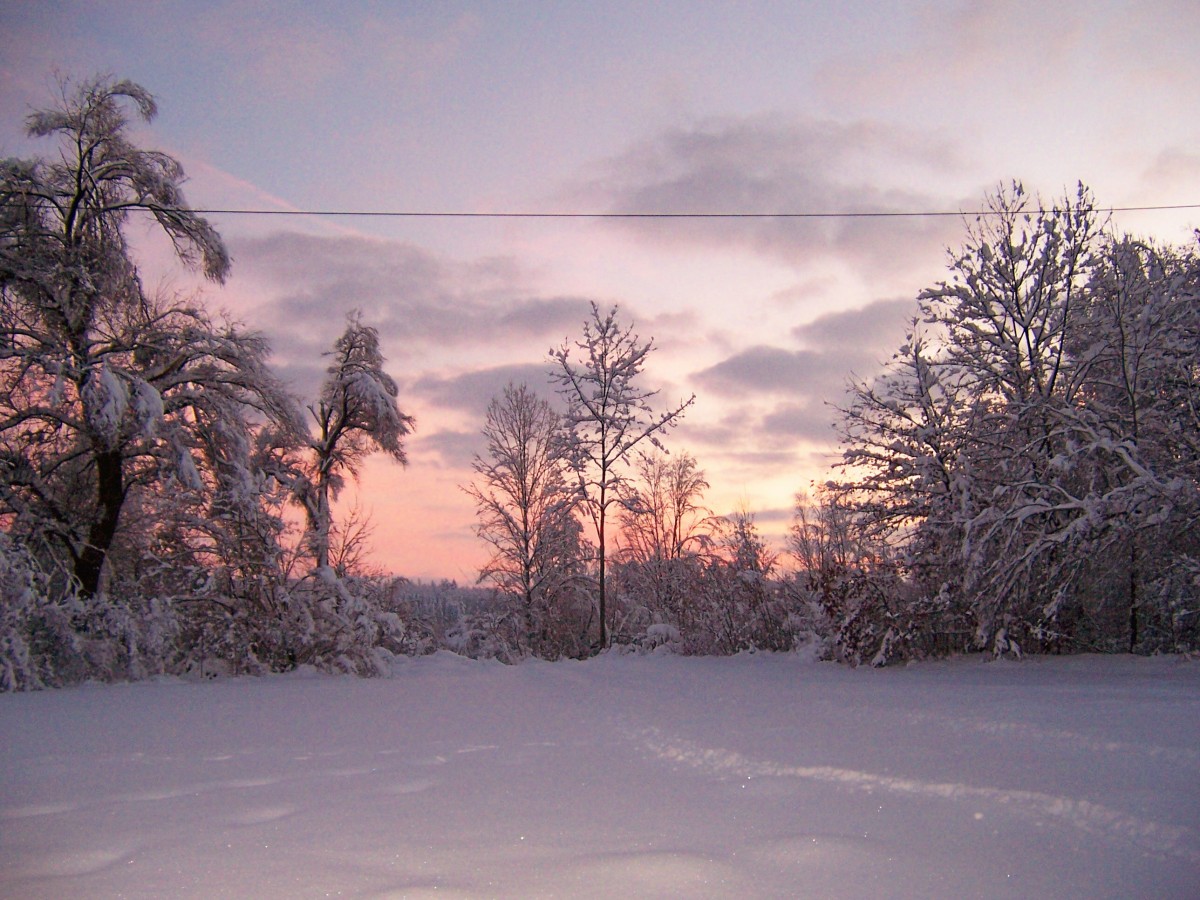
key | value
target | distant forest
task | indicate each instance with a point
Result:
(1022, 477)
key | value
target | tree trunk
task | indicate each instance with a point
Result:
(600, 534)
(1133, 596)
(323, 522)
(110, 496)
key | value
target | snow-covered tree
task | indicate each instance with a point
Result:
(1029, 458)
(850, 578)
(131, 473)
(608, 415)
(1007, 315)
(356, 415)
(1120, 526)
(526, 509)
(903, 437)
(102, 388)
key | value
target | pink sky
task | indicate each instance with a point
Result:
(617, 107)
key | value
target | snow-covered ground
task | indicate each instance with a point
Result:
(757, 776)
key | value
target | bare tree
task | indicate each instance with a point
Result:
(356, 415)
(608, 415)
(350, 544)
(662, 516)
(666, 535)
(527, 512)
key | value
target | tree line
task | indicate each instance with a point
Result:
(1023, 475)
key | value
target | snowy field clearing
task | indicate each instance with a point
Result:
(755, 776)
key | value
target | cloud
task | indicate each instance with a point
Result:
(472, 391)
(837, 345)
(298, 50)
(865, 331)
(302, 286)
(1173, 172)
(790, 395)
(762, 369)
(454, 450)
(953, 49)
(812, 423)
(771, 164)
(779, 515)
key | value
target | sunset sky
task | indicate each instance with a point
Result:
(604, 107)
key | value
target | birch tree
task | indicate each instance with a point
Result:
(608, 415)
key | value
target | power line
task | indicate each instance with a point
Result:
(447, 214)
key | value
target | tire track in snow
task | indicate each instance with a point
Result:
(1087, 816)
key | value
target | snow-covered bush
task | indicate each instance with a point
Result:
(350, 628)
(487, 634)
(51, 636)
(661, 638)
(38, 645)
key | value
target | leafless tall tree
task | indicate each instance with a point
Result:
(526, 508)
(608, 415)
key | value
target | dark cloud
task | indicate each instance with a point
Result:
(875, 329)
(547, 317)
(763, 369)
(722, 434)
(1173, 172)
(407, 292)
(766, 433)
(838, 345)
(472, 391)
(769, 164)
(811, 422)
(779, 515)
(759, 461)
(790, 395)
(419, 302)
(454, 449)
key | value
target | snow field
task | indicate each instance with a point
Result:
(756, 776)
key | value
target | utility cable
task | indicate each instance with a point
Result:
(414, 214)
